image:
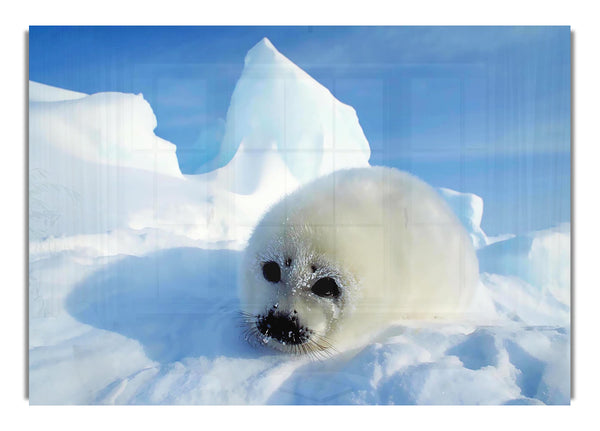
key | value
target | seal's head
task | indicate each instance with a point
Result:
(294, 294)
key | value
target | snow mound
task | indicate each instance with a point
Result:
(540, 258)
(46, 93)
(278, 108)
(468, 207)
(105, 128)
(163, 328)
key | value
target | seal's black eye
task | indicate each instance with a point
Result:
(271, 272)
(326, 288)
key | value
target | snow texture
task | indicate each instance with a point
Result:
(469, 209)
(133, 266)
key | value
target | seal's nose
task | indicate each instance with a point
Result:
(282, 326)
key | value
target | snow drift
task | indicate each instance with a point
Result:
(104, 128)
(133, 266)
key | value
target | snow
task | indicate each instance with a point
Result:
(46, 93)
(277, 107)
(103, 145)
(469, 209)
(105, 128)
(541, 258)
(133, 266)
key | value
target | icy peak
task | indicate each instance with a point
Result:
(264, 60)
(263, 53)
(265, 42)
(279, 112)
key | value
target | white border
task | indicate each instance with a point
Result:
(16, 18)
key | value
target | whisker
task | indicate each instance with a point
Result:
(316, 346)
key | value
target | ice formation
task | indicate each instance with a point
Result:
(283, 129)
(469, 209)
(277, 107)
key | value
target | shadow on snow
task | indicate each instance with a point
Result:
(177, 303)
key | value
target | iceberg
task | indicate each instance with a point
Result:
(278, 108)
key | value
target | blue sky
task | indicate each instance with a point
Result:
(478, 109)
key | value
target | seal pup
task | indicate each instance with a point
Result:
(352, 253)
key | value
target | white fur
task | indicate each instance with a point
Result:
(388, 239)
